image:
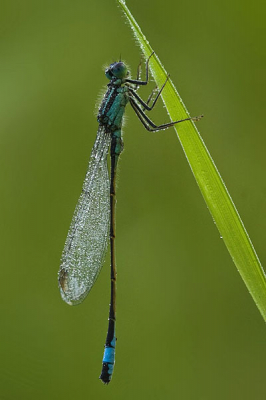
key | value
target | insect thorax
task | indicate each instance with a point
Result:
(112, 108)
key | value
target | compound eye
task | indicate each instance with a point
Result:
(119, 70)
(108, 73)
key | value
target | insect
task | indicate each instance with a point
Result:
(93, 221)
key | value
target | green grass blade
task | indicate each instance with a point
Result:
(212, 187)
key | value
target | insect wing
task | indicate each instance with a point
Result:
(87, 239)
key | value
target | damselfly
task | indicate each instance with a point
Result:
(94, 217)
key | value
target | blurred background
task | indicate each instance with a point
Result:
(187, 327)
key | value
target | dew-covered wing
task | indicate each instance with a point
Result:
(87, 239)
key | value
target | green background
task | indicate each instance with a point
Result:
(187, 327)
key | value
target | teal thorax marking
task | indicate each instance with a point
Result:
(112, 108)
(116, 98)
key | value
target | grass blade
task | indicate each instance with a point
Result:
(212, 187)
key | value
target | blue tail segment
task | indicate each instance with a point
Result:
(108, 361)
